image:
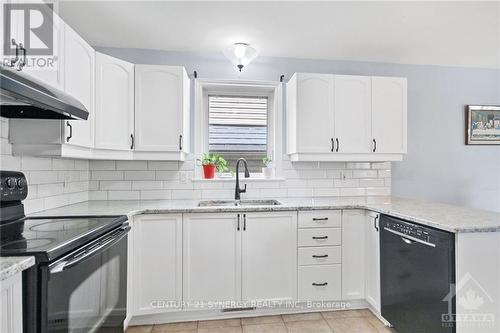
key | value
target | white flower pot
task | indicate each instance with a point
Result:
(268, 172)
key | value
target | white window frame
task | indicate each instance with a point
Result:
(272, 90)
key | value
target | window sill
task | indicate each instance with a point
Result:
(242, 179)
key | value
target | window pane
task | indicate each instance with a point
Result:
(238, 128)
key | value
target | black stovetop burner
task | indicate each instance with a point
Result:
(49, 237)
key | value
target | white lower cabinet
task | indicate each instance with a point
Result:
(269, 257)
(212, 258)
(320, 283)
(353, 254)
(372, 261)
(156, 263)
(240, 257)
(319, 274)
(11, 304)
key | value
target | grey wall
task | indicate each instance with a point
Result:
(439, 166)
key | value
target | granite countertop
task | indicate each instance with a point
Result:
(10, 266)
(441, 216)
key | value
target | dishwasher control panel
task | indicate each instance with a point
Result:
(411, 230)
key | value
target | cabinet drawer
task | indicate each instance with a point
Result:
(320, 219)
(321, 255)
(319, 283)
(320, 237)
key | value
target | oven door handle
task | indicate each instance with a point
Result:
(90, 251)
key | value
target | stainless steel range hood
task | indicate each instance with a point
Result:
(22, 96)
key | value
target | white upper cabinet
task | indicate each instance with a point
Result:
(114, 117)
(352, 114)
(389, 114)
(345, 118)
(161, 109)
(79, 74)
(269, 256)
(310, 105)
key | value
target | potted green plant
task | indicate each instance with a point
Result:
(211, 163)
(268, 170)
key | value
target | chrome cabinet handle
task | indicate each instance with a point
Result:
(238, 227)
(320, 218)
(180, 142)
(320, 256)
(320, 237)
(320, 284)
(70, 131)
(244, 222)
(338, 145)
(132, 144)
(374, 145)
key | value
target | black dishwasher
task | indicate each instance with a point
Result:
(417, 267)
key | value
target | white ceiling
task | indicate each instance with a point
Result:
(429, 33)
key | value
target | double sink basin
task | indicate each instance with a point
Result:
(238, 203)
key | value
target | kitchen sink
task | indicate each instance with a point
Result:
(224, 203)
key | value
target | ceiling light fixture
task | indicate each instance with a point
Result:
(241, 54)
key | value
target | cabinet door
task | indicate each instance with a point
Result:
(49, 68)
(11, 304)
(372, 259)
(315, 128)
(160, 108)
(269, 256)
(114, 119)
(352, 114)
(212, 258)
(389, 114)
(79, 72)
(156, 263)
(353, 254)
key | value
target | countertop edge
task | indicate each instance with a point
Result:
(10, 266)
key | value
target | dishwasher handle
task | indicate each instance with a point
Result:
(409, 239)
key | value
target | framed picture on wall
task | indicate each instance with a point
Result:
(483, 125)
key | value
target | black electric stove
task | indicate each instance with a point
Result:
(78, 283)
(48, 238)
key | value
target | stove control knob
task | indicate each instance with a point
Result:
(10, 183)
(21, 183)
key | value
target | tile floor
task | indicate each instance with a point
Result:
(352, 321)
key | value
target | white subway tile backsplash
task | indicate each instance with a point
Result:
(156, 194)
(352, 192)
(326, 192)
(123, 195)
(381, 165)
(98, 195)
(146, 185)
(35, 163)
(167, 175)
(107, 175)
(115, 185)
(358, 165)
(349, 182)
(378, 182)
(131, 165)
(186, 194)
(139, 175)
(378, 191)
(42, 177)
(364, 173)
(63, 164)
(299, 192)
(103, 165)
(162, 165)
